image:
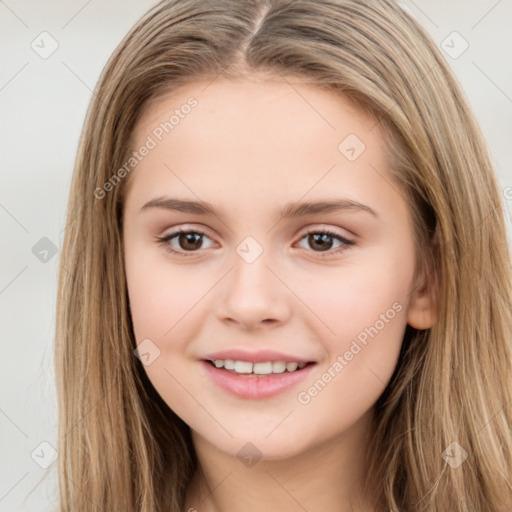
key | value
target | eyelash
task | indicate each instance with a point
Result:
(167, 238)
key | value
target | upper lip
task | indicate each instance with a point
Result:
(255, 356)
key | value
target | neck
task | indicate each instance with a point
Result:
(326, 477)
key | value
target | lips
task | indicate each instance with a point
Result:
(249, 385)
(260, 356)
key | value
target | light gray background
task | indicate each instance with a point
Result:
(43, 104)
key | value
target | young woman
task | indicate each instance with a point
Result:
(285, 281)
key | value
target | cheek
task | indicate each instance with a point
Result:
(347, 387)
(163, 295)
(163, 304)
(348, 299)
(363, 312)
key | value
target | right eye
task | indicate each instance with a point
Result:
(187, 240)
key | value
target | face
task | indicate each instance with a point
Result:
(299, 250)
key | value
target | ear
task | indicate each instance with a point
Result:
(422, 312)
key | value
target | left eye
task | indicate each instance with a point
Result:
(324, 241)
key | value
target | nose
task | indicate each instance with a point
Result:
(253, 296)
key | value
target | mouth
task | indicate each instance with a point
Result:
(258, 380)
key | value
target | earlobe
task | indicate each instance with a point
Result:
(422, 312)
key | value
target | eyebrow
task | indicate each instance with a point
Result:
(291, 210)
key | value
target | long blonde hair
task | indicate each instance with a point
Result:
(120, 446)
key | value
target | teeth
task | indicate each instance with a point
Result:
(265, 368)
(278, 367)
(262, 368)
(243, 367)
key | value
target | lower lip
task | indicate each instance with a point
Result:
(253, 387)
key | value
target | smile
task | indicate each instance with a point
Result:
(264, 368)
(256, 380)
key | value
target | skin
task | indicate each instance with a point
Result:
(249, 148)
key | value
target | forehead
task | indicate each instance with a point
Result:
(255, 105)
(271, 136)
